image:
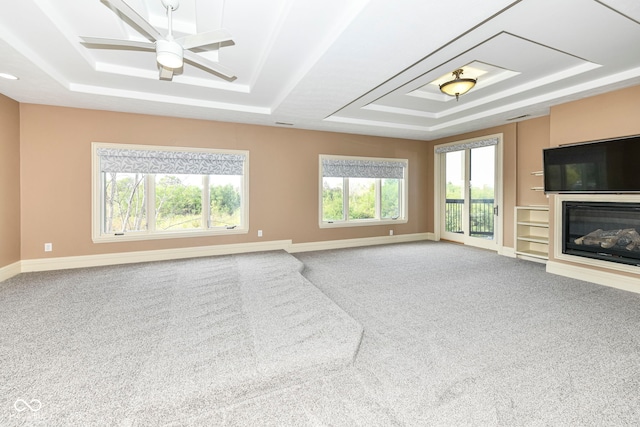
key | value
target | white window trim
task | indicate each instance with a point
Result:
(97, 197)
(364, 222)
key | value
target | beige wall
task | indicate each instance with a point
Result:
(49, 147)
(533, 136)
(604, 116)
(283, 201)
(508, 173)
(9, 181)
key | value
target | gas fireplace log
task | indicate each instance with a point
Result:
(628, 238)
(590, 239)
(635, 240)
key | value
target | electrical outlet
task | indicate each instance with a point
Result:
(48, 247)
(259, 233)
(390, 232)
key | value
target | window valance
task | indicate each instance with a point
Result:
(170, 162)
(356, 168)
(466, 145)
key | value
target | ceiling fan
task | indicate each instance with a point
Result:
(170, 53)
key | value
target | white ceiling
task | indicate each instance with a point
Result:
(356, 66)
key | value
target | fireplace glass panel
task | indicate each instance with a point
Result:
(602, 230)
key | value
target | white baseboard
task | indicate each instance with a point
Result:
(510, 252)
(599, 277)
(62, 263)
(353, 243)
(10, 270)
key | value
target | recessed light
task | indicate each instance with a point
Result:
(8, 76)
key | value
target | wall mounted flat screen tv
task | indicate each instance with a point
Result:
(607, 166)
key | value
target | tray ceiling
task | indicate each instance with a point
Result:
(357, 66)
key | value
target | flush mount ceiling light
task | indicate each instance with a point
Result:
(457, 86)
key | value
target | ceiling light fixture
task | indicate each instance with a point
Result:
(458, 86)
(169, 54)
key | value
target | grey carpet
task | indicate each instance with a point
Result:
(453, 336)
(459, 336)
(163, 343)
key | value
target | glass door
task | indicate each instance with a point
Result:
(469, 209)
(454, 224)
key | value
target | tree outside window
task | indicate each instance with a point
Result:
(362, 191)
(141, 192)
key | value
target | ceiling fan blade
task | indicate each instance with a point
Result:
(165, 73)
(127, 44)
(211, 66)
(135, 18)
(204, 39)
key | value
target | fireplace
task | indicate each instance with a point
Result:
(608, 231)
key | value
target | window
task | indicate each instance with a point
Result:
(362, 191)
(144, 192)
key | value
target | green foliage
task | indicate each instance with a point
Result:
(481, 213)
(390, 198)
(225, 199)
(173, 198)
(362, 198)
(125, 202)
(225, 205)
(455, 192)
(178, 205)
(332, 199)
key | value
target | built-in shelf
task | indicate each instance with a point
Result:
(532, 232)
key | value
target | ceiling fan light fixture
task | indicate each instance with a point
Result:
(458, 86)
(169, 54)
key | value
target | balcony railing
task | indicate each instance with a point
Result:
(480, 218)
